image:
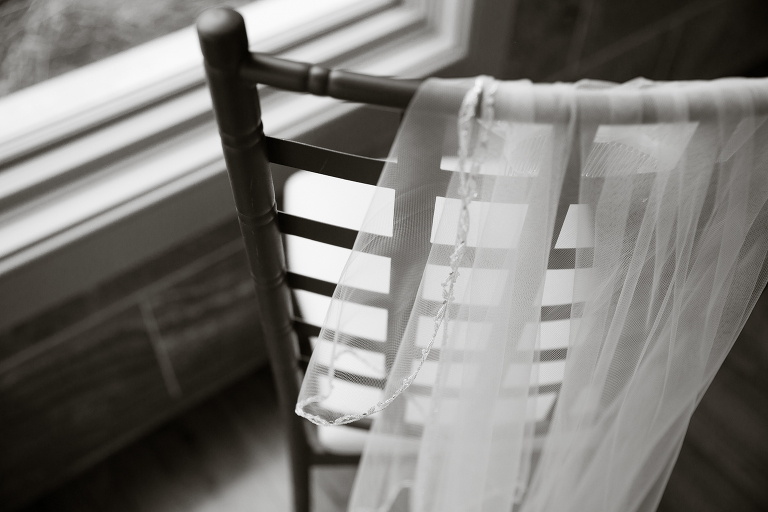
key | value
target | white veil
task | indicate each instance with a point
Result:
(568, 267)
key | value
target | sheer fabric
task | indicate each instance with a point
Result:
(568, 266)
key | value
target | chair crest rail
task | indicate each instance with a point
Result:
(343, 85)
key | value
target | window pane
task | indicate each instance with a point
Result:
(41, 39)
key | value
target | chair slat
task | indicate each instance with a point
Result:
(317, 231)
(455, 310)
(558, 312)
(305, 329)
(553, 354)
(327, 288)
(308, 330)
(548, 313)
(324, 161)
(427, 389)
(354, 378)
(547, 388)
(566, 258)
(358, 342)
(310, 284)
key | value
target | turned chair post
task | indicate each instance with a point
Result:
(224, 44)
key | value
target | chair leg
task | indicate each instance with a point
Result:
(301, 459)
(302, 494)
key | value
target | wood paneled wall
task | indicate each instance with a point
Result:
(618, 40)
(89, 376)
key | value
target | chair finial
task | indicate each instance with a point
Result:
(223, 38)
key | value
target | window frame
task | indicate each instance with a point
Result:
(95, 186)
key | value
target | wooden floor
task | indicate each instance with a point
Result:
(227, 454)
(723, 464)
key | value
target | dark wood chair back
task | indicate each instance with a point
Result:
(232, 73)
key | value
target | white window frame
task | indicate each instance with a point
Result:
(114, 163)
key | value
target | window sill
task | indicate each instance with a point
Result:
(128, 175)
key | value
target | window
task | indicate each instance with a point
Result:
(112, 163)
(42, 40)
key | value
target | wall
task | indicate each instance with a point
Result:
(617, 40)
(90, 375)
(723, 463)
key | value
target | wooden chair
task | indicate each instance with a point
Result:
(233, 73)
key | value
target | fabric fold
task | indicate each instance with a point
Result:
(568, 265)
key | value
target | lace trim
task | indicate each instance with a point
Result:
(471, 134)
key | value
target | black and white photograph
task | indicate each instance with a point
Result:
(383, 256)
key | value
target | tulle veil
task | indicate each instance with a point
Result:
(568, 266)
